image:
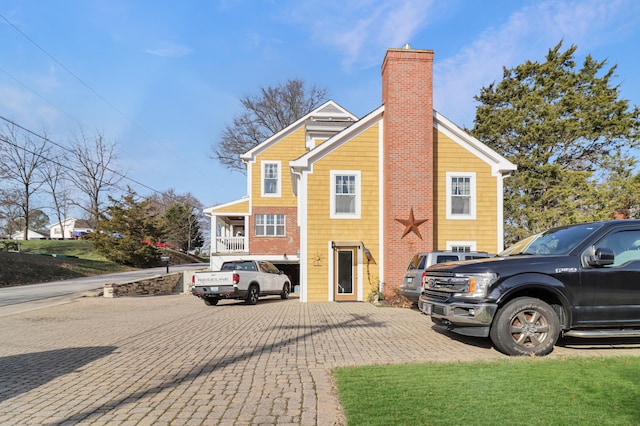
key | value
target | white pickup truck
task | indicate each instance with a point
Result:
(241, 279)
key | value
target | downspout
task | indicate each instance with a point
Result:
(295, 179)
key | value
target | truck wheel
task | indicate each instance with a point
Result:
(285, 292)
(210, 301)
(525, 326)
(252, 295)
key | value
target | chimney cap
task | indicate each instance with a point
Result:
(406, 46)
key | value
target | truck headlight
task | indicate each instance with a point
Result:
(478, 284)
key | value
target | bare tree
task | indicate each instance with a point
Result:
(56, 180)
(264, 115)
(181, 217)
(161, 201)
(10, 212)
(21, 162)
(93, 163)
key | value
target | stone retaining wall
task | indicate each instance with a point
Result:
(154, 286)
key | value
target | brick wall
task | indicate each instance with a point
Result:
(407, 94)
(289, 244)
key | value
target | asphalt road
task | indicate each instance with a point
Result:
(34, 296)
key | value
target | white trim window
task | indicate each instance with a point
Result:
(461, 195)
(271, 181)
(270, 225)
(345, 194)
(461, 246)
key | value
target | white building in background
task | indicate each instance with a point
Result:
(69, 229)
(31, 235)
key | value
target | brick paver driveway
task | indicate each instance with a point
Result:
(173, 360)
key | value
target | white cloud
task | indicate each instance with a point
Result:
(526, 34)
(362, 29)
(25, 108)
(401, 22)
(49, 81)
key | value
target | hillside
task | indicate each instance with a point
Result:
(51, 260)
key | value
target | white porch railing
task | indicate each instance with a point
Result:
(230, 244)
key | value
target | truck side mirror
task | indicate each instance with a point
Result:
(601, 256)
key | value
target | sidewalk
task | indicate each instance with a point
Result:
(173, 360)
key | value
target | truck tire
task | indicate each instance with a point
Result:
(252, 295)
(525, 326)
(210, 301)
(285, 292)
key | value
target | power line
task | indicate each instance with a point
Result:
(67, 167)
(46, 139)
(13, 123)
(5, 72)
(4, 139)
(96, 93)
(105, 100)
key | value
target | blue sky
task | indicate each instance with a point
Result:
(163, 78)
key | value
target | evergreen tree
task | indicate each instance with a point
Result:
(127, 231)
(570, 135)
(181, 227)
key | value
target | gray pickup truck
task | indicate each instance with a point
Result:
(413, 282)
(241, 279)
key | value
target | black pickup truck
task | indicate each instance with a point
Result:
(578, 280)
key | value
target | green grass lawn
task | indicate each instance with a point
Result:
(42, 261)
(36, 264)
(516, 391)
(79, 248)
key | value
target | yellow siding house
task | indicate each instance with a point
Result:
(341, 204)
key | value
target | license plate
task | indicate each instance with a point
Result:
(213, 289)
(426, 309)
(409, 280)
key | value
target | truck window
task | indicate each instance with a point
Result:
(270, 268)
(554, 242)
(238, 266)
(471, 257)
(446, 258)
(415, 262)
(228, 267)
(625, 246)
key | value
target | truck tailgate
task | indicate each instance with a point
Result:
(202, 279)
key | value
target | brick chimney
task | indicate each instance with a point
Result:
(407, 94)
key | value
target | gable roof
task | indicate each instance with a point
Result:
(327, 116)
(30, 234)
(82, 223)
(499, 164)
(304, 162)
(64, 222)
(237, 207)
(72, 221)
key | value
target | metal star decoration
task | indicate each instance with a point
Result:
(411, 224)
